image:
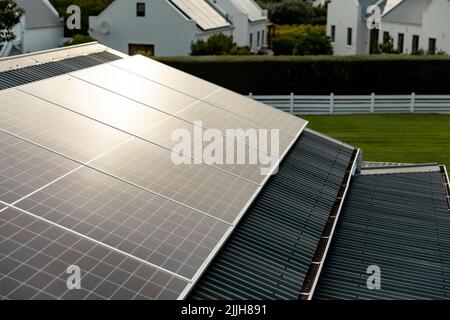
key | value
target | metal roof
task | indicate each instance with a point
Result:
(268, 255)
(39, 14)
(410, 12)
(251, 8)
(399, 222)
(35, 68)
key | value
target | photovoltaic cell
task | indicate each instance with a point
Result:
(202, 187)
(202, 13)
(230, 101)
(54, 127)
(24, 168)
(130, 116)
(170, 101)
(137, 222)
(35, 256)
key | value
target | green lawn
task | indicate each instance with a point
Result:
(409, 138)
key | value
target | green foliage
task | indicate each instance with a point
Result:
(218, 44)
(295, 12)
(313, 42)
(386, 47)
(301, 40)
(382, 74)
(88, 8)
(78, 39)
(10, 15)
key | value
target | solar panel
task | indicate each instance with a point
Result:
(133, 117)
(57, 129)
(35, 256)
(25, 168)
(219, 97)
(181, 105)
(159, 231)
(204, 188)
(89, 155)
(202, 13)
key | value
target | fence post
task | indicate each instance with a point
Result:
(413, 102)
(372, 103)
(250, 95)
(331, 103)
(291, 106)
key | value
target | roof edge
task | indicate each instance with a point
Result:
(413, 168)
(313, 274)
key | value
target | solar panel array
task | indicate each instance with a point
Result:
(202, 13)
(87, 179)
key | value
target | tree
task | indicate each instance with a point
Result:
(313, 42)
(295, 12)
(10, 15)
(218, 44)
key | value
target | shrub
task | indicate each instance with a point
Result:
(218, 44)
(382, 74)
(78, 39)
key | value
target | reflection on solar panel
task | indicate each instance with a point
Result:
(231, 102)
(86, 170)
(202, 13)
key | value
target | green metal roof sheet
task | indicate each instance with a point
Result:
(270, 251)
(399, 222)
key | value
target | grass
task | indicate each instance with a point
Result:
(406, 138)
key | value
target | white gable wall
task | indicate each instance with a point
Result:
(436, 24)
(163, 26)
(42, 39)
(345, 14)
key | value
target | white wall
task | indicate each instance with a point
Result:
(346, 14)
(436, 24)
(254, 28)
(42, 39)
(408, 30)
(163, 26)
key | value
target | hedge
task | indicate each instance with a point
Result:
(381, 74)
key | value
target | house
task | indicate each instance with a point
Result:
(250, 22)
(169, 27)
(158, 27)
(40, 28)
(414, 25)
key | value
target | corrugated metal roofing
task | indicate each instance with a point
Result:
(399, 222)
(17, 77)
(269, 253)
(409, 12)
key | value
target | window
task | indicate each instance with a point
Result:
(251, 40)
(258, 40)
(349, 36)
(400, 42)
(263, 40)
(385, 37)
(333, 34)
(432, 46)
(140, 9)
(415, 44)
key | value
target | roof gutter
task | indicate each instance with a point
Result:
(315, 268)
(446, 185)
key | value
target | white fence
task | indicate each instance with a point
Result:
(337, 104)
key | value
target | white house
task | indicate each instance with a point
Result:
(40, 28)
(169, 27)
(159, 27)
(249, 20)
(413, 25)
